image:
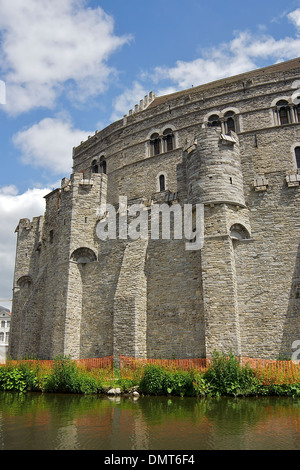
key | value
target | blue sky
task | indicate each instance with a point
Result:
(71, 67)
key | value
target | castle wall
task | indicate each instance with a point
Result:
(268, 265)
(24, 298)
(145, 176)
(175, 320)
(153, 297)
(99, 282)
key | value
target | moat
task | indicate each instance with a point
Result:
(35, 421)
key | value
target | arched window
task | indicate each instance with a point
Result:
(297, 156)
(229, 121)
(24, 281)
(168, 138)
(94, 166)
(103, 165)
(283, 112)
(283, 116)
(297, 113)
(239, 232)
(155, 144)
(214, 121)
(83, 255)
(162, 183)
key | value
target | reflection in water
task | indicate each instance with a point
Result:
(67, 438)
(69, 422)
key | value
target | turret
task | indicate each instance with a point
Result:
(215, 179)
(214, 169)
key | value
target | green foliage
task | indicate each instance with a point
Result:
(227, 376)
(158, 381)
(87, 384)
(127, 384)
(31, 377)
(62, 376)
(178, 383)
(290, 390)
(17, 379)
(66, 377)
(200, 385)
(152, 380)
(12, 380)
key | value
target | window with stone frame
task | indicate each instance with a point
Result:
(297, 112)
(103, 166)
(214, 121)
(162, 183)
(239, 232)
(297, 157)
(83, 255)
(168, 139)
(155, 143)
(24, 282)
(229, 122)
(283, 112)
(95, 167)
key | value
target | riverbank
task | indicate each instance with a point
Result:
(226, 376)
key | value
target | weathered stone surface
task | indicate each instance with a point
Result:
(154, 298)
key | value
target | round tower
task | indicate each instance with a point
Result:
(215, 179)
(214, 169)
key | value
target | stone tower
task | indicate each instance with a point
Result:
(215, 179)
(55, 252)
(232, 146)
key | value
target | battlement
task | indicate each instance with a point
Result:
(27, 224)
(143, 104)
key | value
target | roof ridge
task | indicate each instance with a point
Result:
(281, 66)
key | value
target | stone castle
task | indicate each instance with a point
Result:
(232, 146)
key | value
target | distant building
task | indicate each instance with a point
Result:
(4, 334)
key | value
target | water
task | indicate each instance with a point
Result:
(71, 422)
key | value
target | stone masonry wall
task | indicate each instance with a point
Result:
(153, 297)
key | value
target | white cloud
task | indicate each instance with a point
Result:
(51, 46)
(127, 100)
(294, 17)
(13, 207)
(245, 52)
(48, 144)
(242, 54)
(10, 190)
